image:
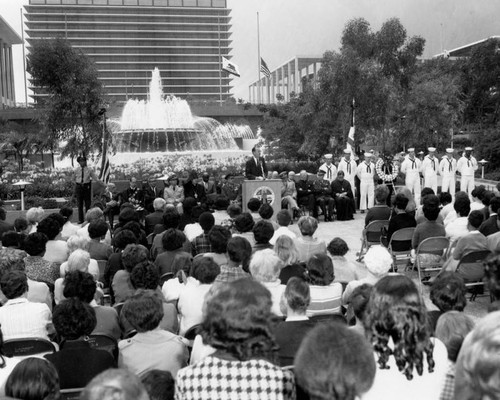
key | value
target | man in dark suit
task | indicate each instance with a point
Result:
(4, 226)
(255, 167)
(151, 192)
(207, 187)
(133, 195)
(490, 226)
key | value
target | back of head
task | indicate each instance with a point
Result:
(93, 214)
(144, 310)
(73, 318)
(115, 384)
(337, 247)
(244, 335)
(266, 211)
(34, 244)
(233, 210)
(283, 218)
(492, 275)
(98, 229)
(431, 207)
(14, 284)
(401, 201)
(221, 203)
(158, 204)
(173, 239)
(79, 284)
(134, 254)
(239, 250)
(33, 378)
(378, 260)
(171, 218)
(263, 232)
(218, 238)
(448, 292)
(426, 191)
(50, 227)
(307, 225)
(127, 215)
(204, 269)
(34, 214)
(79, 260)
(77, 242)
(160, 385)
(207, 221)
(145, 275)
(11, 239)
(359, 300)
(334, 362)
(495, 204)
(475, 219)
(66, 212)
(297, 294)
(254, 204)
(462, 204)
(286, 250)
(20, 224)
(320, 270)
(265, 266)
(244, 222)
(381, 194)
(452, 327)
(124, 238)
(445, 198)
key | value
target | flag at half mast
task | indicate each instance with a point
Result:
(230, 67)
(264, 68)
(350, 136)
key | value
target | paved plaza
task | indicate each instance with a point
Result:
(350, 231)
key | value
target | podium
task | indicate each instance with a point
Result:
(268, 191)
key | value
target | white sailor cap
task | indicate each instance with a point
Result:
(368, 155)
(431, 149)
(449, 150)
(411, 149)
(468, 148)
(372, 151)
(328, 156)
(347, 151)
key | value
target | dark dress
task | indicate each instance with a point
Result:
(77, 363)
(289, 336)
(344, 204)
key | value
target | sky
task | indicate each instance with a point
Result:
(290, 28)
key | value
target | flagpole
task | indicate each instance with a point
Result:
(259, 85)
(24, 62)
(220, 62)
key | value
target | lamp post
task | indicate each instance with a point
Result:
(482, 162)
(22, 186)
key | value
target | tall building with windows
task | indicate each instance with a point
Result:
(127, 39)
(8, 37)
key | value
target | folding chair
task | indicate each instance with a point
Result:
(471, 268)
(165, 277)
(70, 394)
(434, 245)
(371, 236)
(27, 346)
(400, 246)
(104, 342)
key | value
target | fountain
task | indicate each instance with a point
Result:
(166, 124)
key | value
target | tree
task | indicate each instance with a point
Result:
(20, 140)
(69, 113)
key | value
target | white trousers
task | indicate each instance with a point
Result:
(412, 182)
(448, 184)
(467, 184)
(431, 181)
(367, 193)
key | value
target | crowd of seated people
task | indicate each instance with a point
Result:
(205, 301)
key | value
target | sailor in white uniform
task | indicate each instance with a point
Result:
(430, 168)
(466, 166)
(348, 166)
(329, 168)
(366, 172)
(448, 170)
(411, 168)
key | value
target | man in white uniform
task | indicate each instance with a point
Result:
(349, 167)
(411, 168)
(430, 168)
(447, 170)
(366, 172)
(329, 168)
(466, 166)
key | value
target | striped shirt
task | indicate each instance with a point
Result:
(325, 300)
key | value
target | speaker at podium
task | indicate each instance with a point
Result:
(267, 191)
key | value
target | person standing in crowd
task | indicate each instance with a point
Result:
(366, 172)
(323, 196)
(387, 172)
(411, 168)
(448, 170)
(329, 169)
(255, 167)
(430, 169)
(349, 167)
(466, 166)
(83, 188)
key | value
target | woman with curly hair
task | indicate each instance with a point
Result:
(410, 362)
(237, 325)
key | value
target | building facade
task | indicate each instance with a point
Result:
(8, 37)
(285, 79)
(127, 39)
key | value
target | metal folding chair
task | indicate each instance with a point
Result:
(27, 347)
(471, 268)
(400, 246)
(371, 236)
(434, 245)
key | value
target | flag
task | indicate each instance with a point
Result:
(105, 166)
(350, 136)
(230, 67)
(264, 69)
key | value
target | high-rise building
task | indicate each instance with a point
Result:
(8, 37)
(127, 39)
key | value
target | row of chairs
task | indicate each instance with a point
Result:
(400, 248)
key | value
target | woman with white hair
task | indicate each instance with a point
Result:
(265, 267)
(79, 260)
(82, 243)
(378, 262)
(34, 215)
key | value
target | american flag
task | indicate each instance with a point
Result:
(105, 165)
(264, 69)
(350, 136)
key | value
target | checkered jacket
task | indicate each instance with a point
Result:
(214, 378)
